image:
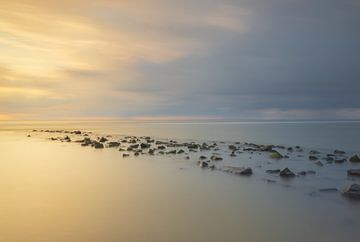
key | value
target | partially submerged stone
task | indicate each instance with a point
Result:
(353, 172)
(246, 171)
(312, 157)
(275, 171)
(352, 191)
(355, 158)
(276, 155)
(287, 173)
(216, 158)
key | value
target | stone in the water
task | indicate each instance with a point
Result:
(287, 173)
(232, 147)
(187, 157)
(246, 171)
(145, 145)
(339, 161)
(276, 155)
(125, 155)
(354, 172)
(98, 145)
(328, 190)
(216, 158)
(319, 163)
(103, 140)
(273, 171)
(352, 191)
(28, 135)
(302, 173)
(113, 144)
(161, 147)
(171, 152)
(202, 157)
(203, 164)
(152, 151)
(312, 157)
(314, 152)
(180, 151)
(355, 158)
(233, 154)
(339, 152)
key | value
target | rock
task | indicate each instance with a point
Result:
(216, 158)
(290, 149)
(125, 155)
(314, 152)
(339, 152)
(319, 163)
(287, 173)
(311, 172)
(77, 132)
(328, 190)
(67, 139)
(312, 157)
(203, 164)
(273, 171)
(113, 144)
(276, 155)
(161, 147)
(152, 151)
(202, 157)
(353, 172)
(171, 152)
(145, 145)
(98, 145)
(232, 147)
(339, 161)
(267, 148)
(302, 173)
(103, 140)
(352, 191)
(269, 180)
(28, 135)
(354, 158)
(180, 151)
(193, 146)
(246, 171)
(187, 157)
(233, 154)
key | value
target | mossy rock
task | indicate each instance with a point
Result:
(276, 155)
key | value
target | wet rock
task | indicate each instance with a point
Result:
(28, 135)
(233, 154)
(98, 145)
(145, 145)
(276, 155)
(302, 173)
(352, 191)
(216, 158)
(328, 190)
(125, 155)
(339, 152)
(353, 172)
(152, 151)
(319, 163)
(171, 152)
(203, 164)
(287, 173)
(232, 147)
(314, 152)
(136, 154)
(77, 132)
(193, 146)
(103, 140)
(267, 148)
(180, 151)
(291, 149)
(311, 172)
(246, 171)
(355, 158)
(161, 147)
(187, 157)
(113, 144)
(273, 171)
(67, 139)
(202, 157)
(312, 157)
(339, 161)
(86, 142)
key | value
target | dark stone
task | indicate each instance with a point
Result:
(203, 164)
(355, 158)
(145, 145)
(246, 171)
(125, 155)
(352, 191)
(302, 173)
(161, 147)
(328, 190)
(273, 171)
(339, 152)
(312, 157)
(98, 145)
(353, 172)
(232, 147)
(202, 157)
(103, 140)
(287, 173)
(113, 144)
(216, 158)
(276, 155)
(171, 152)
(319, 163)
(314, 152)
(180, 151)
(152, 151)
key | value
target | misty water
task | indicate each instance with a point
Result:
(62, 192)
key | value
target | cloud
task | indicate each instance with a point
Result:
(237, 59)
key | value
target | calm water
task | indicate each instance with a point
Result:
(61, 192)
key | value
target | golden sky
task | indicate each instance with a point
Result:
(145, 58)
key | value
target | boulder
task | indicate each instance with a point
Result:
(352, 191)
(103, 140)
(287, 173)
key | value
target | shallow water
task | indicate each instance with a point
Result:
(61, 192)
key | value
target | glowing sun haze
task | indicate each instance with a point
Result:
(146, 59)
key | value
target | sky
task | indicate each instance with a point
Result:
(165, 59)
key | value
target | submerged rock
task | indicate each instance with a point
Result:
(246, 171)
(339, 161)
(98, 145)
(103, 140)
(287, 173)
(354, 158)
(125, 155)
(319, 163)
(232, 147)
(352, 191)
(312, 157)
(353, 172)
(145, 145)
(339, 152)
(113, 144)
